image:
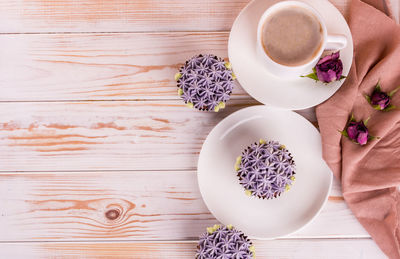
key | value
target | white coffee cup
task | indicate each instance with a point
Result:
(329, 42)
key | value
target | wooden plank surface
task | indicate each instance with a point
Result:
(127, 205)
(277, 249)
(100, 66)
(121, 15)
(72, 146)
(111, 135)
(71, 136)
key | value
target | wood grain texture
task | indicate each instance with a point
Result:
(127, 205)
(120, 206)
(100, 66)
(121, 15)
(71, 136)
(277, 249)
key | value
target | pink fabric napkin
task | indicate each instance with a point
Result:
(369, 174)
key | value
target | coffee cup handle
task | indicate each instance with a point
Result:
(335, 42)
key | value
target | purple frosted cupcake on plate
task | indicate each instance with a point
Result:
(265, 169)
(205, 82)
(224, 242)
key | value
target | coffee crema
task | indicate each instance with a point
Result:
(292, 36)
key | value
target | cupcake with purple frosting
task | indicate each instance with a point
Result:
(265, 169)
(205, 82)
(224, 242)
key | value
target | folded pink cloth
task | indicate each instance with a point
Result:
(370, 174)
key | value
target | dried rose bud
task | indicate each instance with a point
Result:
(328, 69)
(357, 131)
(381, 100)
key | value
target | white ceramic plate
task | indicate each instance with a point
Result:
(225, 197)
(291, 94)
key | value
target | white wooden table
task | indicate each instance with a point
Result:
(98, 154)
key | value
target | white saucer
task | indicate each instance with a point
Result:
(291, 94)
(225, 197)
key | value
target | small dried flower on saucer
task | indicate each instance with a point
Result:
(224, 242)
(265, 169)
(205, 82)
(380, 100)
(328, 69)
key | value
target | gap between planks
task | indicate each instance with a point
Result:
(119, 32)
(318, 248)
(238, 97)
(186, 241)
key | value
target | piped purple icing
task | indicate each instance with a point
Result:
(266, 169)
(206, 82)
(224, 242)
